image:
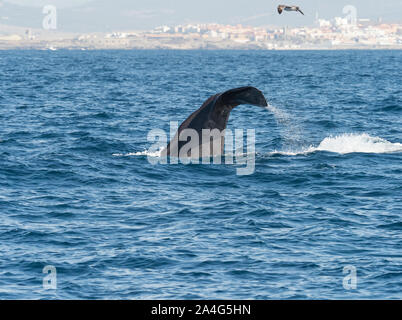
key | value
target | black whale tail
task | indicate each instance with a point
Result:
(213, 114)
(243, 95)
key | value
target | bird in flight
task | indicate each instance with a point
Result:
(289, 8)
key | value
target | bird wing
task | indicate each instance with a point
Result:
(280, 9)
(298, 9)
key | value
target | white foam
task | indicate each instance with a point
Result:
(141, 153)
(293, 152)
(342, 144)
(349, 143)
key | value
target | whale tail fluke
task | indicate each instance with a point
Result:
(214, 114)
(243, 95)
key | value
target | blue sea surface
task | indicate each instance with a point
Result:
(77, 191)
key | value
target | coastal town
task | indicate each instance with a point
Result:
(337, 33)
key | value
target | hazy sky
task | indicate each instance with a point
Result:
(109, 15)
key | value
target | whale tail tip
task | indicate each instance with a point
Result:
(244, 95)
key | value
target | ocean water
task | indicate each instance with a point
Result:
(77, 191)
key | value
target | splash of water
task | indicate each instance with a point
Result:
(290, 130)
(349, 143)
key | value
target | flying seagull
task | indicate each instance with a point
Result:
(289, 8)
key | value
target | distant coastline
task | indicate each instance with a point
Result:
(325, 35)
(7, 48)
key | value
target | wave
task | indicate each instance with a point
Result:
(342, 144)
(349, 143)
(146, 153)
